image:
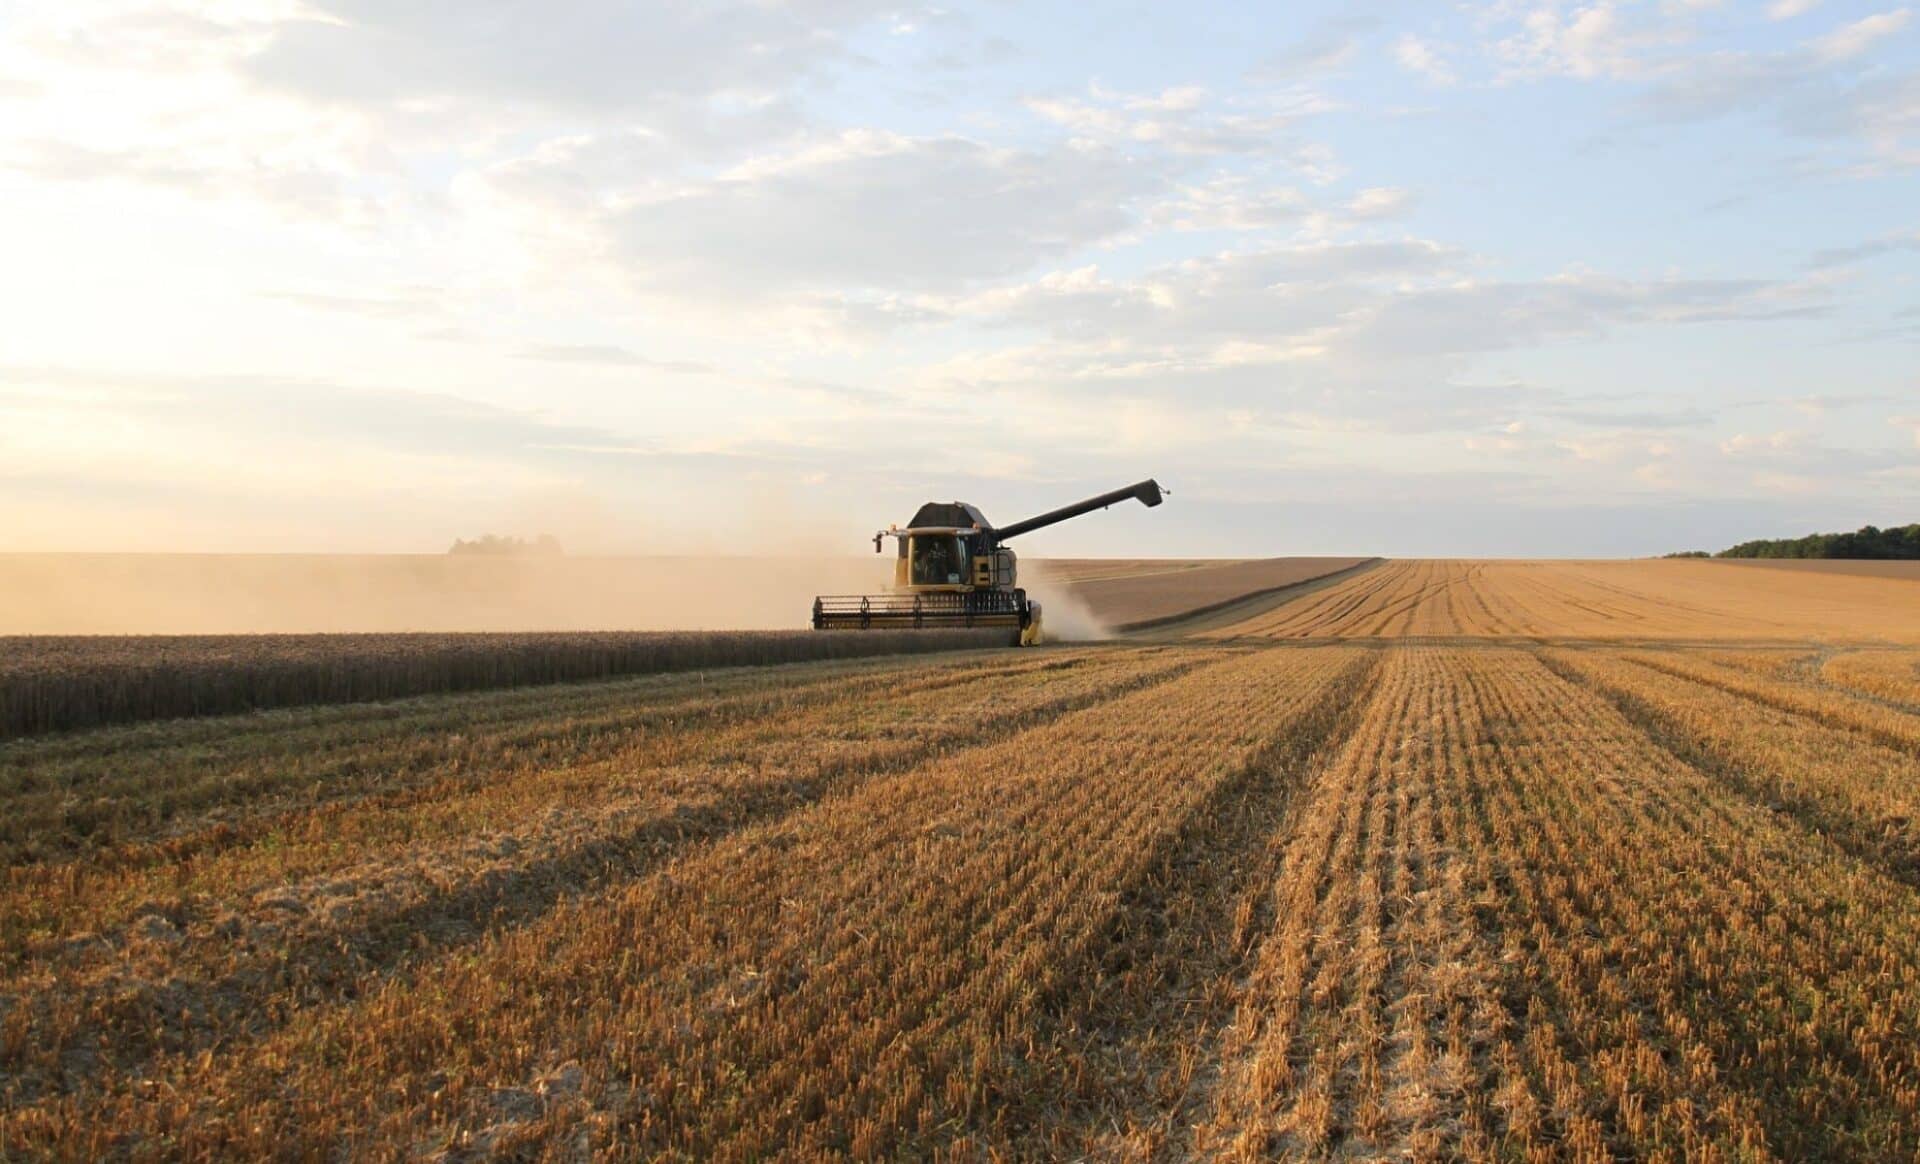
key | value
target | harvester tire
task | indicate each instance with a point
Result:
(1030, 634)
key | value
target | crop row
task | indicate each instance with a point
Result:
(1360, 1020)
(341, 892)
(55, 683)
(1891, 675)
(1509, 925)
(123, 795)
(1810, 757)
(1745, 982)
(1788, 691)
(849, 976)
(1118, 1058)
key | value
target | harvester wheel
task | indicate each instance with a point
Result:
(1030, 634)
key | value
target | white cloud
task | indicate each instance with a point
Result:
(1340, 337)
(611, 356)
(1588, 42)
(1823, 90)
(405, 303)
(1378, 202)
(1417, 56)
(1788, 9)
(1081, 116)
(592, 54)
(1816, 89)
(1181, 122)
(1231, 202)
(1871, 249)
(1851, 40)
(1479, 317)
(880, 212)
(840, 232)
(1371, 302)
(846, 223)
(1609, 448)
(1883, 112)
(1749, 444)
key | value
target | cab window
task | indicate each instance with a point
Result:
(938, 560)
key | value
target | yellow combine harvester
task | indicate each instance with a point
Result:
(954, 571)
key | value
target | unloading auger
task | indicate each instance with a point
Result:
(954, 570)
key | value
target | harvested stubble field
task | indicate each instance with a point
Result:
(1487, 860)
(1673, 600)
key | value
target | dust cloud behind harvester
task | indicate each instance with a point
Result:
(307, 593)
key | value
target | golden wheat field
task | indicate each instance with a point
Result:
(1436, 860)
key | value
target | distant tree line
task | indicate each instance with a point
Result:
(546, 545)
(1902, 542)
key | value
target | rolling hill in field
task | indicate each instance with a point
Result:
(1449, 859)
(1157, 594)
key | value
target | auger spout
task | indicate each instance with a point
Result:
(1146, 492)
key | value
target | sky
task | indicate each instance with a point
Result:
(1524, 278)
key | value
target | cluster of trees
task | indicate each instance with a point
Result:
(1868, 541)
(545, 545)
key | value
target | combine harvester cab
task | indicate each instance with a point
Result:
(952, 570)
